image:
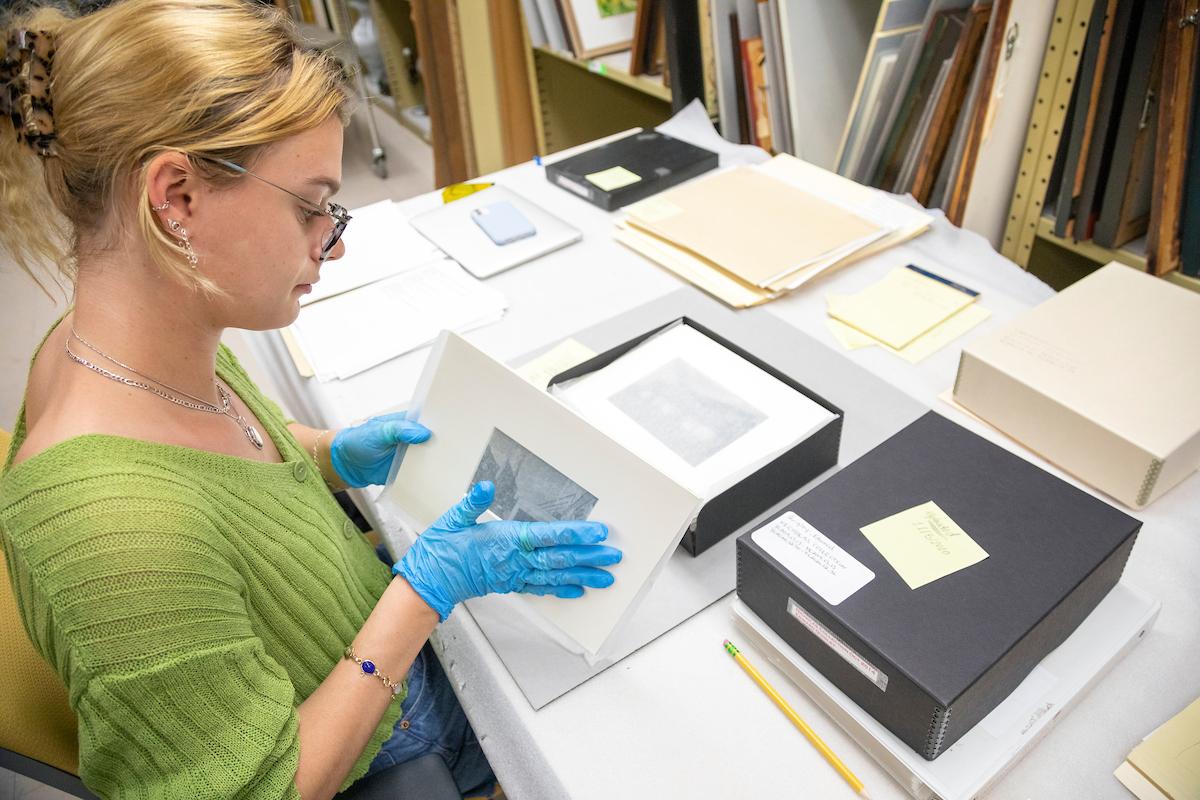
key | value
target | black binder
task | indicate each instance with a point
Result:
(660, 162)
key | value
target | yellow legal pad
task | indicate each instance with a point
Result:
(901, 307)
(923, 544)
(613, 178)
(918, 349)
(1166, 766)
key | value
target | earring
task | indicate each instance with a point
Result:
(181, 231)
(163, 207)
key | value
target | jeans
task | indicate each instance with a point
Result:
(433, 721)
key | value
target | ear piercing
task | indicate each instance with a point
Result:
(182, 233)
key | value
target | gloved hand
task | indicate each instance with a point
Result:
(457, 558)
(363, 455)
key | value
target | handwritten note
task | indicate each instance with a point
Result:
(812, 557)
(923, 544)
(613, 178)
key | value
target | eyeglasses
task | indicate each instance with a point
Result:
(335, 212)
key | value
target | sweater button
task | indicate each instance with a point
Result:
(349, 529)
(300, 471)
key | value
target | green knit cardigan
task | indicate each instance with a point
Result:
(189, 600)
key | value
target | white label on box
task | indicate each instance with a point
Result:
(812, 557)
(1021, 708)
(848, 653)
(570, 185)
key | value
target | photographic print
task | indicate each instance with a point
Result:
(527, 488)
(687, 411)
(610, 8)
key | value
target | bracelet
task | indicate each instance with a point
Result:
(368, 668)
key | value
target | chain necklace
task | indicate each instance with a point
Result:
(193, 402)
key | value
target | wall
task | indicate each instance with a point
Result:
(26, 313)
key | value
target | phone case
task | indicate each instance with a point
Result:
(503, 223)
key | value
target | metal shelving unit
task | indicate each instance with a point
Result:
(579, 100)
(1029, 237)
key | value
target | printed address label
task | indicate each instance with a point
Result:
(812, 557)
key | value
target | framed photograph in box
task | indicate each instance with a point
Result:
(731, 428)
(599, 27)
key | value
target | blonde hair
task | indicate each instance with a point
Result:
(214, 78)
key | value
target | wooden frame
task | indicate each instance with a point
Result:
(591, 34)
(648, 34)
(1163, 240)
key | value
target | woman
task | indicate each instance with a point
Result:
(173, 543)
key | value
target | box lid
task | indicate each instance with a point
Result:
(1115, 347)
(648, 154)
(1042, 535)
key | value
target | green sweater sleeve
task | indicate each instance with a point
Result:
(132, 595)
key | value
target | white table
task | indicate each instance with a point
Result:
(678, 718)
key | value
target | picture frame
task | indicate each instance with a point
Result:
(599, 27)
(648, 56)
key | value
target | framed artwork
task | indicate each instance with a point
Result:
(649, 50)
(599, 27)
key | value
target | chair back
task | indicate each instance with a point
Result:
(35, 719)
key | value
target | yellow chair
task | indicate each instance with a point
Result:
(38, 735)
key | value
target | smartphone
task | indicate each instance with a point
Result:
(503, 223)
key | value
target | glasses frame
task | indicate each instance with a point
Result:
(341, 218)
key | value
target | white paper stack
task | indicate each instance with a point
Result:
(354, 331)
(380, 243)
(986, 752)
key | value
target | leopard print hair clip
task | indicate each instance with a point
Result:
(25, 89)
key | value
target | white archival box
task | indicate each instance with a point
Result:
(464, 396)
(986, 752)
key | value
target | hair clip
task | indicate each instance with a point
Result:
(25, 97)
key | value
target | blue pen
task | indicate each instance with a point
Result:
(537, 159)
(940, 279)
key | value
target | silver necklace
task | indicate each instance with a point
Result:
(193, 402)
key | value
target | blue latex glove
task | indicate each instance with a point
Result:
(363, 455)
(457, 558)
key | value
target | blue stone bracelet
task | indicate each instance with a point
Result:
(368, 668)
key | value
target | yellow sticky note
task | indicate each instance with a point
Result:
(613, 178)
(564, 355)
(923, 544)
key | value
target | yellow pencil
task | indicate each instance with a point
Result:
(808, 732)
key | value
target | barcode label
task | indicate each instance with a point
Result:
(831, 640)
